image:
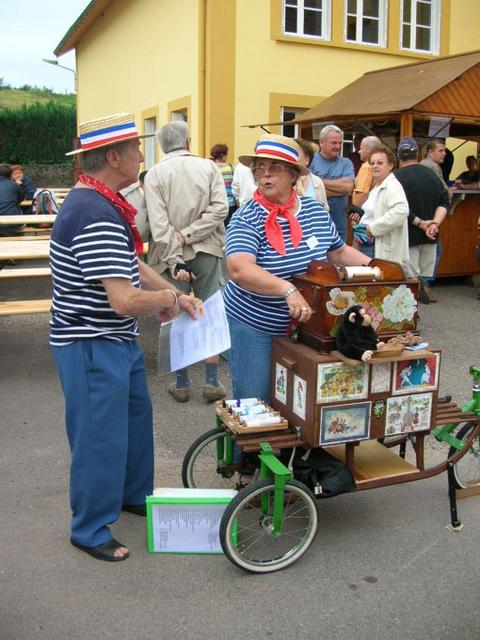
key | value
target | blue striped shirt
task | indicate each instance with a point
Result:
(246, 234)
(90, 242)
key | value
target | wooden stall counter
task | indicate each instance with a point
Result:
(460, 236)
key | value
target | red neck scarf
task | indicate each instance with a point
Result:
(273, 229)
(125, 209)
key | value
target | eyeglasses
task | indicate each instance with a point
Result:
(260, 170)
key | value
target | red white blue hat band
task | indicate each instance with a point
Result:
(106, 131)
(102, 137)
(275, 147)
(282, 151)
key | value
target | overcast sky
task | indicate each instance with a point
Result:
(29, 31)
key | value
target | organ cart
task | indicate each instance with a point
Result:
(360, 415)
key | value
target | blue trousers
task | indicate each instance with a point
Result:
(108, 413)
(249, 360)
(430, 281)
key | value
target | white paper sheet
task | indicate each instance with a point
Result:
(188, 341)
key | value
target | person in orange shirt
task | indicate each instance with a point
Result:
(364, 179)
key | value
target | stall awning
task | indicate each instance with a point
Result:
(445, 87)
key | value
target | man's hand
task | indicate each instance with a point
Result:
(432, 230)
(185, 302)
(182, 272)
(180, 238)
(191, 305)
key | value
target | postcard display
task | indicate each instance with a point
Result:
(331, 401)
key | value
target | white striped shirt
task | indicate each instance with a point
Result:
(246, 234)
(90, 241)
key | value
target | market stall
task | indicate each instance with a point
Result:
(439, 97)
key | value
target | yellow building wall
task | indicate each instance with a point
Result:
(142, 57)
(464, 26)
(227, 63)
(275, 71)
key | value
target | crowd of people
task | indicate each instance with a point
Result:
(283, 205)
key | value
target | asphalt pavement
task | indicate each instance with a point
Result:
(383, 565)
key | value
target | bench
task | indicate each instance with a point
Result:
(18, 307)
(60, 194)
(45, 236)
(28, 272)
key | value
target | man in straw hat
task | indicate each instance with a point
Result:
(100, 287)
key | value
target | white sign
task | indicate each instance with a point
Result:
(184, 341)
(439, 128)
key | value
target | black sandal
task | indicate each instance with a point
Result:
(137, 509)
(104, 551)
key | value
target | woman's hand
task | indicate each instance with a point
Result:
(298, 307)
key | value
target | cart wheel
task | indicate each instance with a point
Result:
(466, 471)
(201, 467)
(246, 530)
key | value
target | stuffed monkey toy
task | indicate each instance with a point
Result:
(356, 338)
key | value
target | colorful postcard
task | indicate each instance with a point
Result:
(299, 396)
(281, 383)
(419, 374)
(343, 423)
(339, 381)
(408, 413)
(381, 376)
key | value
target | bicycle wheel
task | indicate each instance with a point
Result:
(201, 467)
(466, 472)
(246, 530)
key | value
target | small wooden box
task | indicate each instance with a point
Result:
(391, 300)
(334, 402)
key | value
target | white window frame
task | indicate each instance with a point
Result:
(347, 142)
(180, 115)
(382, 24)
(149, 126)
(436, 11)
(298, 112)
(326, 20)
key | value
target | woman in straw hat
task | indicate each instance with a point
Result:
(271, 238)
(100, 287)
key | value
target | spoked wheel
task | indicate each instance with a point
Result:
(466, 471)
(246, 529)
(204, 465)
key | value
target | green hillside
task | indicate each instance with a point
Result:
(15, 98)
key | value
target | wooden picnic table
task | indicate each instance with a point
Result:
(30, 249)
(27, 250)
(28, 272)
(29, 219)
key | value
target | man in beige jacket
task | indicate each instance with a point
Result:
(187, 205)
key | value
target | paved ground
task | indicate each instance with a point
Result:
(382, 567)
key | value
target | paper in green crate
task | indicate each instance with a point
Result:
(186, 520)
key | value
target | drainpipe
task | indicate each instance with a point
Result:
(202, 44)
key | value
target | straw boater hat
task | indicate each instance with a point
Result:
(103, 132)
(276, 147)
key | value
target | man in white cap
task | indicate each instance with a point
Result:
(100, 287)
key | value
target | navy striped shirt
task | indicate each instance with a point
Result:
(90, 242)
(246, 234)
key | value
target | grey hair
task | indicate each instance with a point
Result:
(433, 144)
(174, 135)
(371, 142)
(327, 130)
(94, 160)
